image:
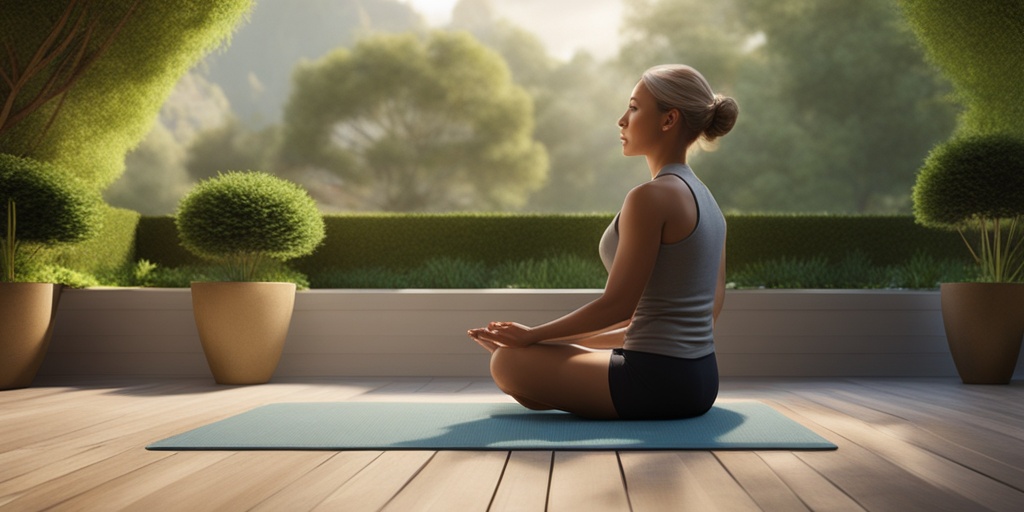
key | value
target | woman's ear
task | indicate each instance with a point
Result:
(671, 119)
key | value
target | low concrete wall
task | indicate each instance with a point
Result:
(802, 333)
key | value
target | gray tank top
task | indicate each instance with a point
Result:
(674, 315)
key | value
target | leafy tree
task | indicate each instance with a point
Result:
(576, 106)
(978, 46)
(838, 107)
(283, 32)
(416, 124)
(111, 65)
(231, 146)
(706, 35)
(155, 178)
(869, 120)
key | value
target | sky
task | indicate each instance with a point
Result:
(565, 26)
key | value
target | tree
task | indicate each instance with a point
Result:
(706, 35)
(416, 124)
(231, 147)
(155, 178)
(283, 32)
(117, 61)
(576, 106)
(837, 105)
(978, 46)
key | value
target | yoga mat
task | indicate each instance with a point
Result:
(488, 426)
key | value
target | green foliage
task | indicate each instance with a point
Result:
(40, 205)
(155, 178)
(924, 271)
(825, 125)
(60, 275)
(561, 271)
(886, 240)
(416, 124)
(148, 274)
(111, 106)
(240, 218)
(978, 46)
(447, 273)
(279, 34)
(107, 252)
(853, 272)
(970, 178)
(977, 184)
(230, 146)
(405, 241)
(575, 104)
(856, 271)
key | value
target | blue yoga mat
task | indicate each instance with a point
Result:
(488, 426)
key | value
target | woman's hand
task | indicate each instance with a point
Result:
(505, 334)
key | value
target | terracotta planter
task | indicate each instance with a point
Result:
(243, 327)
(984, 327)
(26, 323)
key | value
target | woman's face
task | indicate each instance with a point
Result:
(640, 127)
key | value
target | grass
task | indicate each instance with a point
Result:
(855, 271)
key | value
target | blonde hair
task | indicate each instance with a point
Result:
(706, 115)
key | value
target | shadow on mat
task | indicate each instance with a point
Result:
(559, 429)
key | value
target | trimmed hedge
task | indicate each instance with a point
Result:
(407, 241)
(109, 251)
(883, 240)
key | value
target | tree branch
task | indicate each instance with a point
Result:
(62, 77)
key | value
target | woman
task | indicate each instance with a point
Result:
(665, 255)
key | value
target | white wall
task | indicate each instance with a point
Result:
(801, 333)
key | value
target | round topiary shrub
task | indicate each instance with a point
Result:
(977, 184)
(39, 204)
(240, 218)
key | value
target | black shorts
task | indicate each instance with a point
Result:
(649, 386)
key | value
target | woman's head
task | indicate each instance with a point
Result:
(704, 114)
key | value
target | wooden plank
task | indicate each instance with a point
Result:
(147, 418)
(524, 484)
(452, 480)
(238, 482)
(813, 489)
(876, 483)
(932, 468)
(122, 492)
(724, 491)
(960, 403)
(983, 450)
(315, 486)
(590, 481)
(374, 486)
(39, 495)
(760, 482)
(659, 481)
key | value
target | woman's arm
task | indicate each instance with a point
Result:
(719, 290)
(611, 337)
(640, 225)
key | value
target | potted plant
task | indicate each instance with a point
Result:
(39, 206)
(975, 185)
(242, 220)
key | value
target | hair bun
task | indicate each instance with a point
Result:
(725, 111)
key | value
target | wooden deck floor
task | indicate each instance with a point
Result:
(904, 445)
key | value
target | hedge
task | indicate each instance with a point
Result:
(408, 240)
(111, 249)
